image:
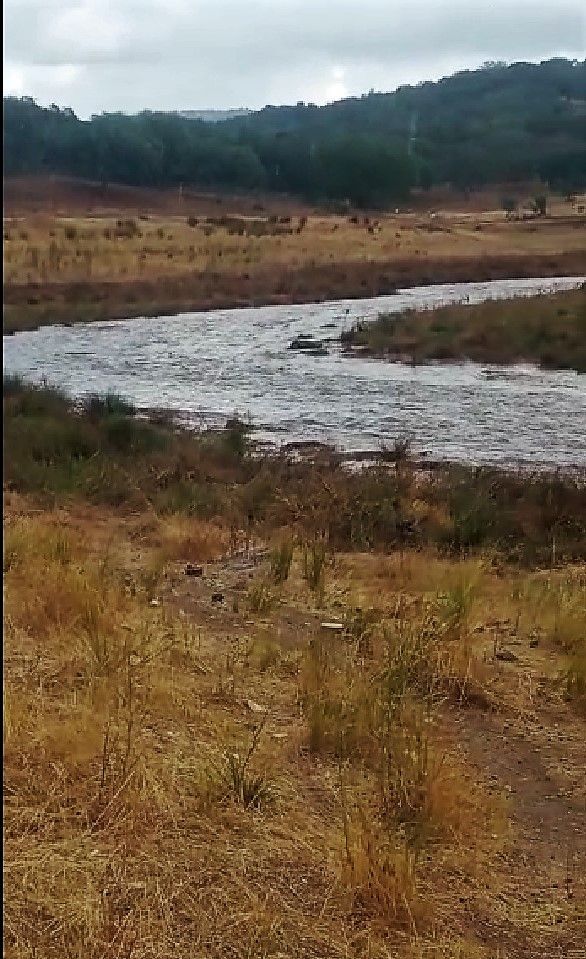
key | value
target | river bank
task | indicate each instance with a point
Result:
(549, 331)
(209, 366)
(31, 305)
(367, 689)
(100, 450)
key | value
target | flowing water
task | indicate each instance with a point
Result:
(209, 365)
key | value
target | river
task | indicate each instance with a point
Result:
(210, 365)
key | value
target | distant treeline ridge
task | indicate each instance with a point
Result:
(494, 125)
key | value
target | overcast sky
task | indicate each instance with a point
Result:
(97, 55)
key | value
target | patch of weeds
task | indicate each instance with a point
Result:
(314, 559)
(380, 872)
(235, 437)
(280, 561)
(453, 607)
(110, 404)
(235, 780)
(261, 597)
(126, 435)
(575, 681)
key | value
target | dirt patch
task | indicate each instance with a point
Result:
(532, 752)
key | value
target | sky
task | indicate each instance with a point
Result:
(129, 55)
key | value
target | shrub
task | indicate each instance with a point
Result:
(281, 559)
(235, 437)
(235, 780)
(260, 598)
(126, 435)
(33, 400)
(110, 404)
(13, 384)
(509, 205)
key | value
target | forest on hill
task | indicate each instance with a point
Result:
(498, 124)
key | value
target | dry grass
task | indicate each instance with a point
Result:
(193, 540)
(68, 269)
(548, 330)
(166, 795)
(44, 249)
(197, 766)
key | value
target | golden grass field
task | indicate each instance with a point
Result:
(99, 265)
(44, 249)
(195, 766)
(191, 779)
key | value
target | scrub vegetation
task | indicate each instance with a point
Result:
(96, 266)
(255, 706)
(547, 330)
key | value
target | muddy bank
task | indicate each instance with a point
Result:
(28, 306)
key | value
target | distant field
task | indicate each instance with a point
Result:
(549, 330)
(233, 252)
(62, 196)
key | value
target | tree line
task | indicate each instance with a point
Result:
(497, 124)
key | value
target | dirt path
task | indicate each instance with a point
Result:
(533, 751)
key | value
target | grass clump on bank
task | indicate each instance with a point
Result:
(547, 330)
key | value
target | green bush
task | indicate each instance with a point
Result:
(99, 406)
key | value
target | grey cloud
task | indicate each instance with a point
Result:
(191, 53)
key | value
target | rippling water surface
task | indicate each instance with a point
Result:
(212, 364)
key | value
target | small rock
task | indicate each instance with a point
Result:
(255, 707)
(155, 602)
(191, 569)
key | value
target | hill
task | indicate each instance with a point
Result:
(497, 124)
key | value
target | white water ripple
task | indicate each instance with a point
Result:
(209, 365)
